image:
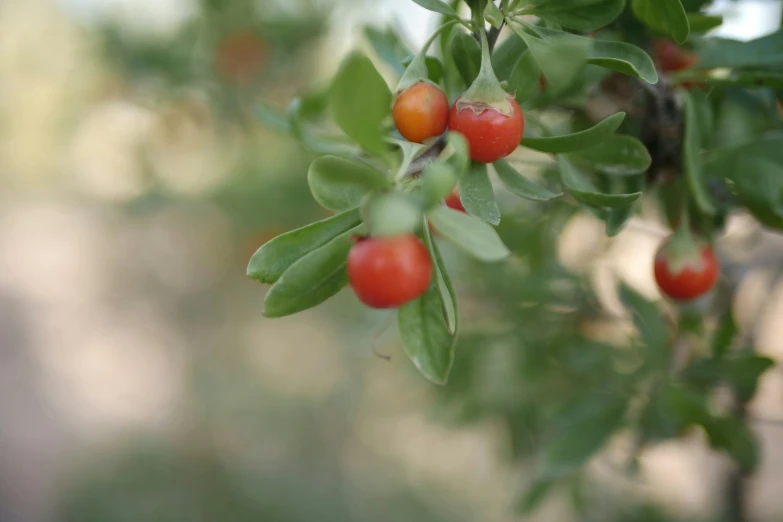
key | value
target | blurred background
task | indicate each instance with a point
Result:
(138, 379)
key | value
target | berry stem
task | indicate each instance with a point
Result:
(486, 91)
(417, 70)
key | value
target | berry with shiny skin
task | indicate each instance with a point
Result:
(491, 135)
(421, 112)
(387, 272)
(454, 202)
(686, 272)
(671, 57)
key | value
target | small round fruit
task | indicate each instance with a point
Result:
(671, 57)
(454, 202)
(421, 112)
(491, 135)
(686, 276)
(387, 272)
(239, 58)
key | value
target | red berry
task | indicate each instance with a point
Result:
(421, 112)
(387, 272)
(491, 134)
(454, 202)
(542, 82)
(671, 57)
(686, 276)
(239, 58)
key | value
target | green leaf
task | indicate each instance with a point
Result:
(648, 320)
(743, 371)
(388, 46)
(616, 56)
(426, 337)
(438, 6)
(763, 53)
(519, 185)
(447, 293)
(588, 425)
(272, 118)
(701, 23)
(688, 403)
(466, 52)
(579, 140)
(361, 101)
(705, 117)
(525, 78)
(458, 153)
(534, 495)
(493, 15)
(472, 235)
(477, 196)
(311, 280)
(724, 335)
(513, 63)
(691, 157)
(340, 184)
(434, 67)
(617, 218)
(277, 255)
(506, 55)
(299, 110)
(623, 58)
(561, 61)
(582, 15)
(664, 15)
(734, 436)
(755, 171)
(756, 174)
(584, 191)
(617, 155)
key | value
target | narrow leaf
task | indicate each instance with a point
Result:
(438, 6)
(701, 23)
(691, 156)
(617, 155)
(388, 46)
(361, 101)
(617, 56)
(735, 437)
(340, 184)
(472, 235)
(764, 52)
(578, 140)
(447, 293)
(597, 418)
(519, 185)
(311, 280)
(425, 336)
(477, 196)
(276, 256)
(272, 118)
(743, 371)
(466, 52)
(493, 15)
(664, 15)
(584, 191)
(582, 15)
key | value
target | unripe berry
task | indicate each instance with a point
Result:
(421, 112)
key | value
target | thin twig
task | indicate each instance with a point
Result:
(426, 157)
(378, 334)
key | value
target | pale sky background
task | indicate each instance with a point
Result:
(744, 20)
